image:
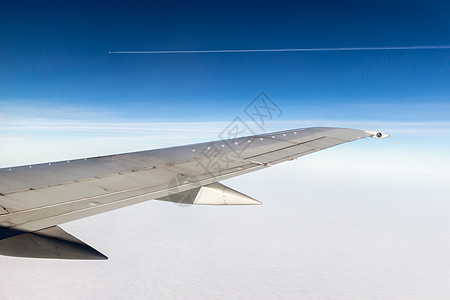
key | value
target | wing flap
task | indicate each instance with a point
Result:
(52, 242)
(40, 197)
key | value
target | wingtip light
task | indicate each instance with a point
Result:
(377, 134)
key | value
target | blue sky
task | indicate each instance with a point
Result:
(56, 72)
(57, 53)
(363, 220)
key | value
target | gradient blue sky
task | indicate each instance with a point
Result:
(57, 53)
(366, 220)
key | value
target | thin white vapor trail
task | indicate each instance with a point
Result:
(421, 47)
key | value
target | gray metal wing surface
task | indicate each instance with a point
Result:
(36, 198)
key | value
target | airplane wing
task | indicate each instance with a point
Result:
(35, 199)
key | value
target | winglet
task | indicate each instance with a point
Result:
(377, 134)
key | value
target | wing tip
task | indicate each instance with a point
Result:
(377, 134)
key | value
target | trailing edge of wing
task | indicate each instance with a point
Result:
(52, 242)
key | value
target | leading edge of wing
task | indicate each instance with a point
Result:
(359, 134)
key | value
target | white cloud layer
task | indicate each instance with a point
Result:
(32, 141)
(363, 220)
(331, 227)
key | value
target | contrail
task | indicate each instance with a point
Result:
(430, 47)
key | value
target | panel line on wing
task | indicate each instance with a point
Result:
(213, 178)
(66, 216)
